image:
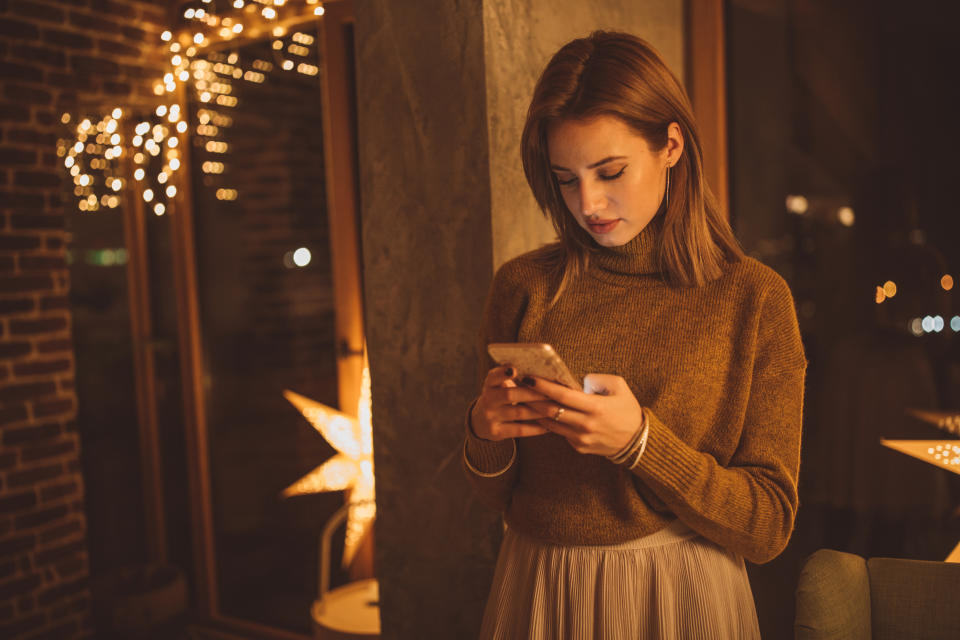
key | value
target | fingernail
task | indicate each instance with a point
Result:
(510, 372)
(528, 381)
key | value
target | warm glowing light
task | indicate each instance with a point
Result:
(184, 76)
(797, 204)
(171, 191)
(845, 216)
(78, 148)
(172, 142)
(175, 47)
(350, 469)
(189, 13)
(161, 111)
(302, 38)
(117, 113)
(142, 128)
(65, 118)
(318, 11)
(166, 36)
(84, 180)
(198, 38)
(159, 209)
(226, 194)
(216, 146)
(181, 126)
(298, 50)
(287, 65)
(162, 177)
(237, 28)
(238, 4)
(308, 69)
(174, 164)
(139, 158)
(278, 31)
(277, 45)
(269, 13)
(117, 184)
(148, 195)
(946, 282)
(889, 288)
(205, 96)
(301, 257)
(881, 296)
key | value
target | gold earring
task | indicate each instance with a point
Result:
(667, 190)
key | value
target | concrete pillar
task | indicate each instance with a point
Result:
(442, 89)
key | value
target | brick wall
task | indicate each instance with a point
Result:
(55, 56)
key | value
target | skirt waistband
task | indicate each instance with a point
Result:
(676, 531)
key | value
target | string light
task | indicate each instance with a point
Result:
(91, 157)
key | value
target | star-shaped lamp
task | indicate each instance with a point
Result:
(351, 469)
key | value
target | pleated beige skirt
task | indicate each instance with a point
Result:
(673, 584)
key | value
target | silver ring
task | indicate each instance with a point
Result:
(559, 413)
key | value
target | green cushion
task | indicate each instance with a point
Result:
(833, 597)
(914, 599)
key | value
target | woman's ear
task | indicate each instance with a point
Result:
(674, 143)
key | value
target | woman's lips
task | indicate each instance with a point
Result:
(603, 226)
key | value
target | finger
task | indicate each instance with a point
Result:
(571, 398)
(514, 395)
(499, 375)
(563, 430)
(514, 413)
(602, 384)
(550, 409)
(521, 430)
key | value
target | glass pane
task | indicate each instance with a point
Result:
(843, 156)
(267, 318)
(106, 395)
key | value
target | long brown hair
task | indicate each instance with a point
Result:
(618, 74)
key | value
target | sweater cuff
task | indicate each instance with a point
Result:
(666, 457)
(487, 457)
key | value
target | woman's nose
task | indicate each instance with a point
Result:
(592, 197)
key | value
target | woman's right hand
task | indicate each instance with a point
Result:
(499, 412)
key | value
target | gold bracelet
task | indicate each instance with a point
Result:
(631, 447)
(643, 445)
(484, 474)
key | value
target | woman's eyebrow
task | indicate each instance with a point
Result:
(591, 166)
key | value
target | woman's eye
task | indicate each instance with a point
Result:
(564, 183)
(613, 176)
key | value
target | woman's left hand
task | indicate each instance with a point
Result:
(601, 419)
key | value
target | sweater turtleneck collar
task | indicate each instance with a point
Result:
(639, 256)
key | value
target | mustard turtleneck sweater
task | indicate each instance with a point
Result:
(719, 370)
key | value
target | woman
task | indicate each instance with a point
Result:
(630, 506)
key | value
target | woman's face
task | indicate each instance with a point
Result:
(611, 181)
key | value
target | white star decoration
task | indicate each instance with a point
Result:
(351, 469)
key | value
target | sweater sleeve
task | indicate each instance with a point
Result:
(749, 505)
(492, 467)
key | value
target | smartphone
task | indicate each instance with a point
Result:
(533, 359)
